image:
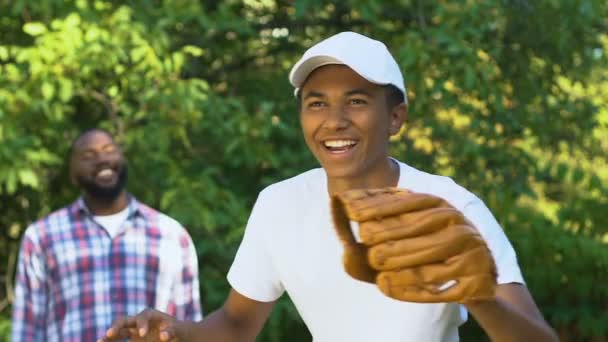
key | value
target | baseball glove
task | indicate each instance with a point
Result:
(415, 247)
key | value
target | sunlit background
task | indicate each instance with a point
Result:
(508, 97)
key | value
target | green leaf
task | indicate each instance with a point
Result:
(34, 28)
(48, 90)
(66, 89)
(28, 177)
(193, 50)
(3, 53)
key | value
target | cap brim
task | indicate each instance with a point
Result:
(301, 71)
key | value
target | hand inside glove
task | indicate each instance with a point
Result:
(415, 247)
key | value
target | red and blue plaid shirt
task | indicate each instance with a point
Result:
(73, 280)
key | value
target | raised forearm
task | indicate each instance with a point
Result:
(217, 327)
(503, 322)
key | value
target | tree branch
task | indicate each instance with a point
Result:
(111, 108)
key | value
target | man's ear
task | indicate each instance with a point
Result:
(398, 117)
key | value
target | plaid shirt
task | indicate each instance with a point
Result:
(73, 280)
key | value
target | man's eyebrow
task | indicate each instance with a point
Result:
(84, 149)
(359, 91)
(312, 93)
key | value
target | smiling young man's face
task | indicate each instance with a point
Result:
(98, 165)
(347, 122)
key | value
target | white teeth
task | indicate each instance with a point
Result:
(339, 143)
(105, 173)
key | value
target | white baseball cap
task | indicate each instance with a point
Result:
(367, 57)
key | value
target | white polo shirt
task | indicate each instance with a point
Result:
(290, 245)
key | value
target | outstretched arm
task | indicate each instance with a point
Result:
(239, 319)
(511, 316)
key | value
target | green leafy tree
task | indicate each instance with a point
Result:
(506, 97)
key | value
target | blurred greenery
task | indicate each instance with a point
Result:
(508, 97)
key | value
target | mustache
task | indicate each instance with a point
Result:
(104, 193)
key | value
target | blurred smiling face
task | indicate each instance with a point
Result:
(98, 166)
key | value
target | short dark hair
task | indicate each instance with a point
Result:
(394, 96)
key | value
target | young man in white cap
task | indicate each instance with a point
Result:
(352, 98)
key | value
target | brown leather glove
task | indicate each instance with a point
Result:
(415, 247)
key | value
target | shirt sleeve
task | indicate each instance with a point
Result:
(253, 273)
(502, 250)
(30, 302)
(185, 297)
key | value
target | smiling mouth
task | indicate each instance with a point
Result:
(105, 174)
(339, 146)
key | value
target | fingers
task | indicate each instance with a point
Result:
(408, 225)
(168, 334)
(393, 203)
(470, 276)
(477, 287)
(141, 321)
(142, 325)
(476, 261)
(420, 295)
(153, 320)
(432, 248)
(119, 330)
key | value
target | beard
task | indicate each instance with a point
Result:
(105, 193)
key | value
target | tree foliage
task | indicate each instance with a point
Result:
(508, 97)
